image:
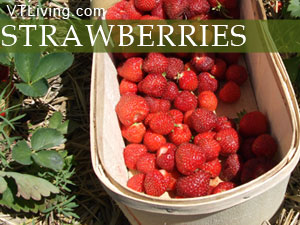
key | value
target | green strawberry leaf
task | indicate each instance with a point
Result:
(26, 64)
(44, 138)
(5, 59)
(240, 116)
(49, 159)
(55, 121)
(21, 153)
(37, 89)
(30, 186)
(52, 65)
(294, 8)
(10, 200)
(3, 185)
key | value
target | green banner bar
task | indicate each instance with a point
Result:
(150, 36)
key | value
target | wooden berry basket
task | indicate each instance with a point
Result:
(268, 90)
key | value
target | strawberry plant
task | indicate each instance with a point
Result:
(34, 70)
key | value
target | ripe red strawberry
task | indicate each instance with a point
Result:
(212, 167)
(158, 105)
(205, 135)
(158, 11)
(132, 12)
(137, 182)
(203, 120)
(187, 118)
(219, 68)
(170, 92)
(148, 118)
(246, 149)
(208, 100)
(131, 69)
(146, 163)
(182, 55)
(189, 158)
(210, 147)
(117, 11)
(180, 134)
(154, 85)
(173, 180)
(230, 93)
(231, 168)
(229, 141)
(175, 9)
(223, 186)
(132, 153)
(203, 62)
(224, 123)
(145, 5)
(134, 133)
(153, 141)
(156, 183)
(237, 74)
(188, 80)
(165, 157)
(198, 7)
(213, 3)
(194, 185)
(128, 55)
(188, 66)
(175, 67)
(255, 167)
(177, 115)
(127, 86)
(132, 109)
(162, 123)
(230, 58)
(155, 63)
(185, 101)
(264, 146)
(207, 82)
(253, 124)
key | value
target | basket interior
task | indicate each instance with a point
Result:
(263, 91)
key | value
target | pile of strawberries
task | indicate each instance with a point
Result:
(175, 142)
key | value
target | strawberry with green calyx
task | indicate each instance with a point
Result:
(175, 67)
(185, 101)
(134, 133)
(188, 80)
(162, 123)
(131, 69)
(180, 134)
(207, 82)
(203, 120)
